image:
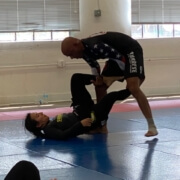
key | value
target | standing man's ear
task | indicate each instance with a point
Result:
(77, 42)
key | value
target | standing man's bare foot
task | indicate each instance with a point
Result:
(151, 132)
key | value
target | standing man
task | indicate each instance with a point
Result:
(125, 62)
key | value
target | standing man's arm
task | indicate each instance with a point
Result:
(101, 50)
(100, 88)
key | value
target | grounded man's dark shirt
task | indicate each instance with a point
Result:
(64, 126)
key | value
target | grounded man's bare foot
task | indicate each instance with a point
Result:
(99, 130)
(103, 129)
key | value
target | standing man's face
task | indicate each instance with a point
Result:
(72, 48)
(75, 52)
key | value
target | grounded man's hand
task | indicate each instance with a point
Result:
(86, 122)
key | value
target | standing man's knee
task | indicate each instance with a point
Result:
(134, 91)
(133, 85)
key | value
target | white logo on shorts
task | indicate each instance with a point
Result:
(141, 69)
(132, 62)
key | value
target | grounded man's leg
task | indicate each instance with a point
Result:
(81, 99)
(79, 93)
(103, 108)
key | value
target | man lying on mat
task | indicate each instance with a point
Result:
(86, 116)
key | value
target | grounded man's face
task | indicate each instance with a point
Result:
(40, 118)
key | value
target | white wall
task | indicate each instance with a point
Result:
(115, 16)
(29, 69)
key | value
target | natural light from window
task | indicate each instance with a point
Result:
(140, 31)
(33, 36)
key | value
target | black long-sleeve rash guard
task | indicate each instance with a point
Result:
(107, 45)
(64, 126)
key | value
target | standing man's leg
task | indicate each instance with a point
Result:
(133, 84)
(134, 74)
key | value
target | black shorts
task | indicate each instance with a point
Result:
(134, 65)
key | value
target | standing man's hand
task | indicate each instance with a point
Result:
(98, 81)
(100, 87)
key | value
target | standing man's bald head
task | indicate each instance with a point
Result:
(72, 47)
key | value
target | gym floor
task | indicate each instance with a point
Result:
(124, 153)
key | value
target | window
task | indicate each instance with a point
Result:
(139, 31)
(177, 30)
(155, 18)
(33, 36)
(150, 30)
(28, 20)
(24, 36)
